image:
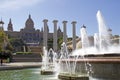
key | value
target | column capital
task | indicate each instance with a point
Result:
(55, 21)
(45, 20)
(64, 22)
(73, 22)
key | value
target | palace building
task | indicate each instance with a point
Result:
(30, 35)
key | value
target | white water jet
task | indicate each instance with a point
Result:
(45, 59)
(64, 51)
(103, 32)
(52, 59)
(64, 55)
(51, 55)
(84, 38)
(102, 40)
(96, 41)
(49, 63)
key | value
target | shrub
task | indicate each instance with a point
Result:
(5, 54)
(23, 52)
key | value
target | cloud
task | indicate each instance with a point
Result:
(17, 4)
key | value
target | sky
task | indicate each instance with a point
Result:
(82, 11)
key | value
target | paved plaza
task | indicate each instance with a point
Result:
(20, 65)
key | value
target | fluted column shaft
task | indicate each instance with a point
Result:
(74, 34)
(64, 31)
(45, 33)
(55, 35)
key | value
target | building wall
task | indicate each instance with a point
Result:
(12, 34)
(29, 34)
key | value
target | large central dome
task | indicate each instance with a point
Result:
(29, 23)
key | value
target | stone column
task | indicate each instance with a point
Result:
(74, 34)
(55, 35)
(45, 33)
(64, 31)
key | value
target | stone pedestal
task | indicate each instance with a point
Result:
(47, 72)
(68, 76)
(103, 67)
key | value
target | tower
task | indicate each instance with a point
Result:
(1, 25)
(10, 25)
(59, 30)
(42, 29)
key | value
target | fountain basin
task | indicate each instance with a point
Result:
(68, 76)
(102, 66)
(47, 72)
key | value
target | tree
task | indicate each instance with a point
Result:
(2, 39)
(17, 44)
(5, 47)
(60, 41)
(9, 47)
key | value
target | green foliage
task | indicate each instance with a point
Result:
(4, 40)
(9, 47)
(60, 41)
(0, 48)
(69, 39)
(23, 52)
(2, 36)
(17, 44)
(5, 54)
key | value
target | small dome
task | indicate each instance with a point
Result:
(29, 22)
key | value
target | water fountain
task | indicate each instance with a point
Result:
(49, 62)
(101, 61)
(68, 66)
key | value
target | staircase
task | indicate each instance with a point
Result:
(36, 49)
(36, 55)
(27, 58)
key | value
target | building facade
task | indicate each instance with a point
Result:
(30, 35)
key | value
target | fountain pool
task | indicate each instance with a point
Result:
(28, 74)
